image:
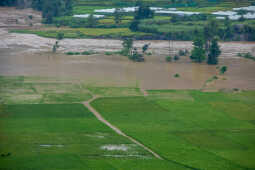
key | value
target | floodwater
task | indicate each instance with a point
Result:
(30, 55)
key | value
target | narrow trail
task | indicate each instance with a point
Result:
(117, 130)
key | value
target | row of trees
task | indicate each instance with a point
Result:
(8, 2)
(206, 45)
(49, 8)
(17, 3)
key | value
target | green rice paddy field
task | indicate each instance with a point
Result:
(44, 125)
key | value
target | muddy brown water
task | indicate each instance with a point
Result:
(30, 55)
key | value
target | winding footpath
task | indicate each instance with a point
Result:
(117, 130)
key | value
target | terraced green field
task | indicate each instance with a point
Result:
(200, 130)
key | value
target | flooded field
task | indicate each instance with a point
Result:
(30, 55)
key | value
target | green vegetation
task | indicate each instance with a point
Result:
(214, 52)
(192, 128)
(80, 53)
(84, 33)
(61, 136)
(223, 69)
(198, 52)
(42, 121)
(177, 75)
(247, 55)
(56, 136)
(168, 58)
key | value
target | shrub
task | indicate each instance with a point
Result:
(176, 57)
(108, 53)
(60, 35)
(73, 53)
(88, 52)
(168, 58)
(176, 75)
(181, 53)
(223, 69)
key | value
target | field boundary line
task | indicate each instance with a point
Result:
(114, 128)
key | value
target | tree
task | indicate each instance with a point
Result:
(127, 45)
(214, 52)
(55, 47)
(143, 12)
(117, 16)
(223, 69)
(134, 25)
(68, 7)
(91, 21)
(198, 52)
(145, 47)
(210, 31)
(60, 35)
(53, 8)
(228, 30)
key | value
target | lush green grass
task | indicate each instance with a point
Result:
(84, 32)
(62, 136)
(75, 137)
(201, 130)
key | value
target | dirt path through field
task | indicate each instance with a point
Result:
(117, 130)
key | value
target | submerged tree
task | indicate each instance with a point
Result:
(214, 52)
(127, 45)
(145, 47)
(55, 47)
(198, 52)
(223, 69)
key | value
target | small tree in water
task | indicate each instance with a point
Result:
(127, 45)
(145, 47)
(55, 47)
(214, 52)
(223, 69)
(198, 52)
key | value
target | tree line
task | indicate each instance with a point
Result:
(49, 8)
(53, 8)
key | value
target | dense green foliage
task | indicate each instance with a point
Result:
(8, 2)
(198, 52)
(214, 52)
(52, 8)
